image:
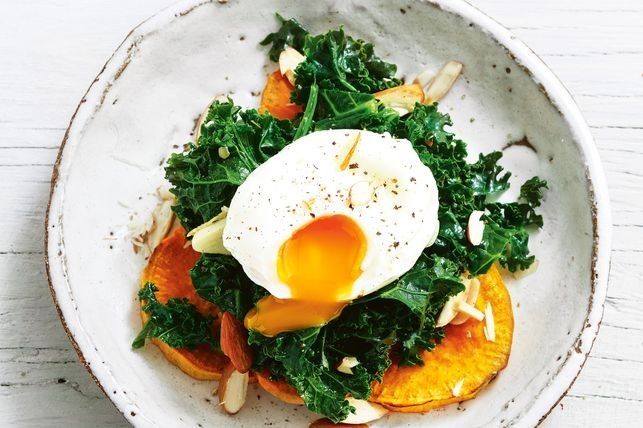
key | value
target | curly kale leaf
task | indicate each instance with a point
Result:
(337, 61)
(221, 280)
(176, 323)
(353, 110)
(291, 33)
(202, 180)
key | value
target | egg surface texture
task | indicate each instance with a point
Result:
(334, 216)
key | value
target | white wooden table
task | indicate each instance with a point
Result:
(50, 50)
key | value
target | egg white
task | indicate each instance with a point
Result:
(304, 181)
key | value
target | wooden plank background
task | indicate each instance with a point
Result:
(51, 50)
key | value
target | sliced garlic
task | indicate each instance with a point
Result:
(347, 364)
(289, 59)
(365, 411)
(442, 82)
(475, 227)
(490, 326)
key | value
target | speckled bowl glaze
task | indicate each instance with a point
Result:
(143, 104)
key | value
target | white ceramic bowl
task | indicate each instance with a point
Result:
(143, 104)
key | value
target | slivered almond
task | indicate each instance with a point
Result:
(365, 411)
(442, 82)
(232, 390)
(234, 343)
(327, 423)
(425, 78)
(469, 310)
(347, 365)
(475, 227)
(401, 97)
(490, 325)
(473, 289)
(457, 388)
(289, 59)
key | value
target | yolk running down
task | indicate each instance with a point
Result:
(319, 262)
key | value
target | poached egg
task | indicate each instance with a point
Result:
(334, 216)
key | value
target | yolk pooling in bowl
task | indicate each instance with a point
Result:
(319, 262)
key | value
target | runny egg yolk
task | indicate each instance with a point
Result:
(319, 262)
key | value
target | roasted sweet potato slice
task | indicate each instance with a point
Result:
(461, 365)
(275, 98)
(169, 269)
(279, 388)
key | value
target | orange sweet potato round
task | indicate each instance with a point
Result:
(275, 98)
(464, 355)
(169, 269)
(279, 388)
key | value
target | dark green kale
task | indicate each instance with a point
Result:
(337, 61)
(202, 180)
(291, 33)
(221, 280)
(333, 61)
(176, 323)
(353, 110)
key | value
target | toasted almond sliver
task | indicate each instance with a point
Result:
(347, 364)
(475, 227)
(457, 388)
(289, 59)
(232, 390)
(470, 310)
(443, 82)
(365, 411)
(234, 343)
(490, 326)
(425, 78)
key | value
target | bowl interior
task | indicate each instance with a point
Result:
(155, 89)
